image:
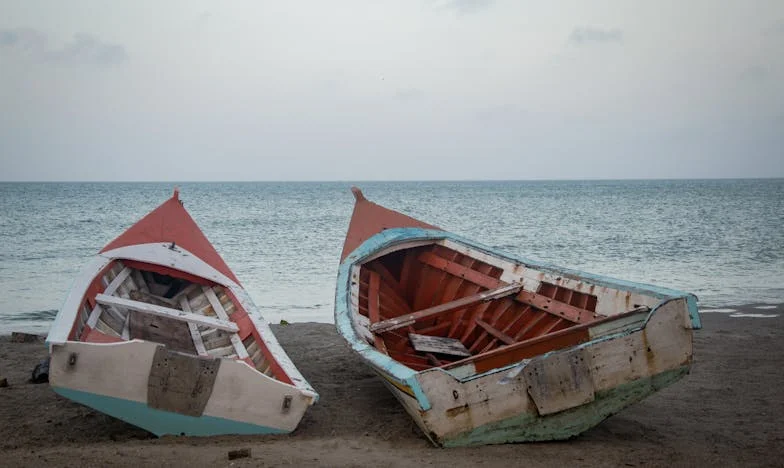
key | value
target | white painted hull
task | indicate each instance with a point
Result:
(622, 369)
(113, 375)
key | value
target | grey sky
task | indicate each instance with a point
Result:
(417, 89)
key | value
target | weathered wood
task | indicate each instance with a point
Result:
(242, 353)
(405, 320)
(561, 381)
(198, 343)
(175, 314)
(557, 308)
(493, 331)
(438, 344)
(456, 269)
(373, 307)
(180, 383)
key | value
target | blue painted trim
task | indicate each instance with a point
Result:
(391, 237)
(163, 422)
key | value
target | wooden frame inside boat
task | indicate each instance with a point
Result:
(182, 312)
(441, 292)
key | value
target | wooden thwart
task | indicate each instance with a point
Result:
(437, 344)
(167, 312)
(408, 319)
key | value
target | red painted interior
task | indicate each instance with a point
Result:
(419, 278)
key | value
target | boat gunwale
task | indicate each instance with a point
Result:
(392, 237)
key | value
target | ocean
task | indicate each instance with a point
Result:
(720, 239)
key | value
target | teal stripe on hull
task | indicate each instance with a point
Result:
(566, 424)
(163, 422)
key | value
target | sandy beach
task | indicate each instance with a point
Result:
(726, 413)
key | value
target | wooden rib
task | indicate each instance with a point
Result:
(528, 327)
(435, 329)
(198, 343)
(501, 308)
(493, 331)
(468, 288)
(373, 308)
(443, 279)
(459, 270)
(405, 276)
(428, 282)
(518, 318)
(405, 320)
(166, 312)
(557, 308)
(242, 353)
(387, 276)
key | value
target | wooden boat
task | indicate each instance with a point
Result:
(158, 332)
(482, 347)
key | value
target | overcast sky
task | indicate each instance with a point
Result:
(403, 89)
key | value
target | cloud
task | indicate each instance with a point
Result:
(755, 74)
(465, 6)
(409, 94)
(587, 35)
(775, 29)
(82, 49)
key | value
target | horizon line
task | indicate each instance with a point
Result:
(370, 180)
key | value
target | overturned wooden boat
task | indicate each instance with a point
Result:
(482, 347)
(158, 332)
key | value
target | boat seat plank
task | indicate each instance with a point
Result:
(175, 314)
(408, 319)
(438, 344)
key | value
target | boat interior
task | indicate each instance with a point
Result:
(433, 306)
(132, 300)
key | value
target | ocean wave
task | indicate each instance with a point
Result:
(38, 315)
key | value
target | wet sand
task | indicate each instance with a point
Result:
(728, 412)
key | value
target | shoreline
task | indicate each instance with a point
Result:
(725, 412)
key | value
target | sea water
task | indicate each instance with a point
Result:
(720, 239)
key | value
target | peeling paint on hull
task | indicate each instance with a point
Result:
(566, 424)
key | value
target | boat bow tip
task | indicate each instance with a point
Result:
(358, 195)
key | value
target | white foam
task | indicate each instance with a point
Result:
(755, 315)
(765, 307)
(718, 311)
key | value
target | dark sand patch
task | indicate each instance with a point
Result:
(727, 412)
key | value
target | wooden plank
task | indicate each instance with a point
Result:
(198, 343)
(535, 346)
(387, 276)
(438, 344)
(557, 308)
(493, 331)
(242, 353)
(161, 311)
(117, 281)
(92, 320)
(459, 270)
(373, 307)
(406, 320)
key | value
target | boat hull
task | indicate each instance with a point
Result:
(616, 371)
(520, 392)
(116, 380)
